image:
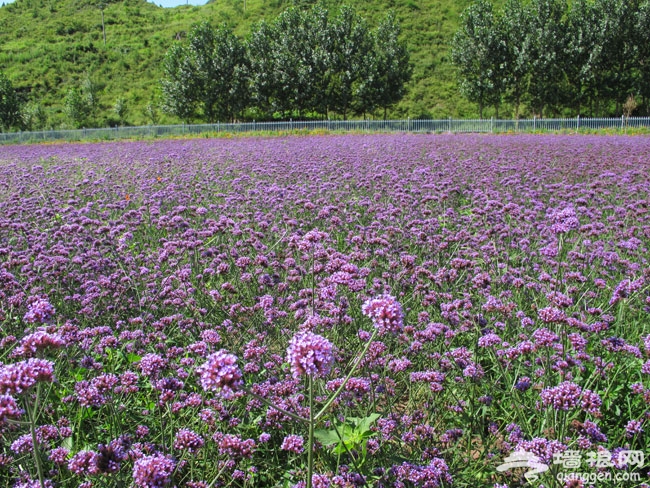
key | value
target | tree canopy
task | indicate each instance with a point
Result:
(555, 56)
(10, 106)
(305, 63)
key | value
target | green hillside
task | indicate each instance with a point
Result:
(50, 46)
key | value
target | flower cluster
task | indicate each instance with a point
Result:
(17, 377)
(9, 408)
(386, 313)
(39, 311)
(310, 354)
(153, 471)
(188, 440)
(293, 443)
(221, 373)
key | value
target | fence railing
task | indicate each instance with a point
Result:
(416, 125)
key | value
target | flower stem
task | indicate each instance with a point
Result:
(32, 427)
(347, 378)
(310, 438)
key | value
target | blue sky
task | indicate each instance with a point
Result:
(164, 3)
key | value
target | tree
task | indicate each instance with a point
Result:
(76, 108)
(477, 51)
(547, 42)
(34, 116)
(515, 40)
(10, 116)
(581, 50)
(208, 77)
(388, 67)
(614, 56)
(120, 108)
(290, 62)
(179, 87)
(352, 41)
(642, 37)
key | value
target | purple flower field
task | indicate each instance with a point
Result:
(326, 311)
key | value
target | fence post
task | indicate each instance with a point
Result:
(534, 122)
(578, 123)
(491, 125)
(450, 125)
(291, 125)
(622, 121)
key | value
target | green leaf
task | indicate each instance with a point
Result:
(327, 437)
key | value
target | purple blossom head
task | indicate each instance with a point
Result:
(221, 373)
(84, 463)
(563, 220)
(111, 455)
(433, 475)
(523, 383)
(386, 313)
(234, 447)
(9, 408)
(39, 311)
(564, 396)
(188, 440)
(310, 354)
(153, 471)
(151, 365)
(633, 428)
(293, 443)
(591, 402)
(34, 343)
(625, 289)
(18, 377)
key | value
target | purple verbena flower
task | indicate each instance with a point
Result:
(40, 340)
(633, 428)
(562, 397)
(189, 440)
(39, 311)
(310, 354)
(84, 463)
(153, 471)
(17, 377)
(9, 408)
(386, 313)
(293, 443)
(221, 373)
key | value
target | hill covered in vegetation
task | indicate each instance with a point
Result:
(114, 51)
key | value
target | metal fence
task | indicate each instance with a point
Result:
(428, 126)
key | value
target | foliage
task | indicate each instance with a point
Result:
(76, 108)
(478, 53)
(9, 105)
(555, 56)
(389, 67)
(208, 77)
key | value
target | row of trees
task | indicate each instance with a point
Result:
(305, 63)
(556, 56)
